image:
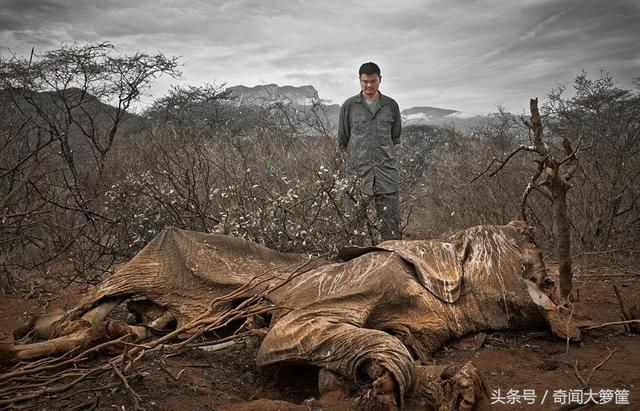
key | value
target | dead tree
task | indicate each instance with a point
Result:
(551, 179)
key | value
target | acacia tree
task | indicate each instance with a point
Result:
(205, 108)
(555, 168)
(606, 198)
(62, 112)
(86, 88)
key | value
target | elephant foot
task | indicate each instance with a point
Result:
(382, 394)
(329, 381)
(451, 388)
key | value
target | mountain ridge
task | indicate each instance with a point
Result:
(266, 93)
(262, 95)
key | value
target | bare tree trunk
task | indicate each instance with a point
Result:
(558, 187)
(563, 235)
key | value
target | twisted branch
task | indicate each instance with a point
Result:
(44, 373)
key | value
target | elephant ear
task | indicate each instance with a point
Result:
(437, 264)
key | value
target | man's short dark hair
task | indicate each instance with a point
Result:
(369, 69)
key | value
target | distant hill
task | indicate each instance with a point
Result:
(263, 95)
(433, 112)
(427, 115)
(95, 116)
(300, 98)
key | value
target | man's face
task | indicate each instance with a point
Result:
(369, 84)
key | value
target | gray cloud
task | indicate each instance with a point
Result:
(467, 55)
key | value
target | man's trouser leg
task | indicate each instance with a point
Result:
(388, 210)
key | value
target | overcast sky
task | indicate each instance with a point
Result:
(467, 55)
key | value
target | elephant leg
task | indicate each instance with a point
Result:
(84, 338)
(57, 324)
(117, 329)
(100, 312)
(61, 335)
(150, 313)
(163, 321)
(92, 318)
(146, 311)
(367, 357)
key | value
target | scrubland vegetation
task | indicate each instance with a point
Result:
(87, 182)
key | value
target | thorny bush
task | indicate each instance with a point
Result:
(274, 176)
(286, 192)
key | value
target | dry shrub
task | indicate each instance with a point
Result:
(274, 175)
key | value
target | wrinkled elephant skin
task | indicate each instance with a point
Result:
(367, 320)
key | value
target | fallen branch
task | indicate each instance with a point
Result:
(48, 390)
(51, 365)
(218, 347)
(585, 383)
(593, 327)
(134, 395)
(163, 368)
(574, 365)
(580, 377)
(629, 249)
(45, 372)
(601, 363)
(632, 327)
(90, 404)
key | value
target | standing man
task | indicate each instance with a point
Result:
(369, 129)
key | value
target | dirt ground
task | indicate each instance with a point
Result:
(523, 370)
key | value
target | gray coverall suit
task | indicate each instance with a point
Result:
(369, 138)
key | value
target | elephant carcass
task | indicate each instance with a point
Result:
(173, 279)
(367, 319)
(402, 300)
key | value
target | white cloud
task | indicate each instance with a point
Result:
(460, 54)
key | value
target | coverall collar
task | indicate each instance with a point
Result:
(381, 98)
